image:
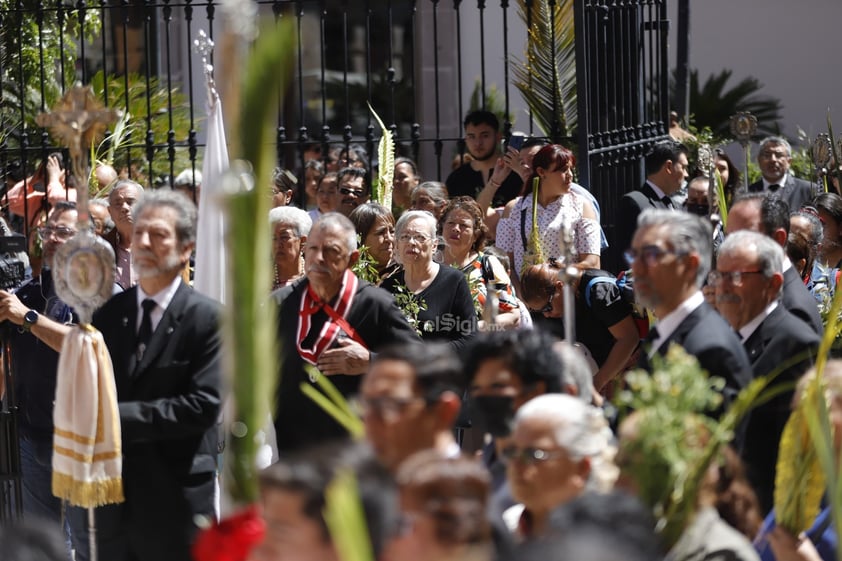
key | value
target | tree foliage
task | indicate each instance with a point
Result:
(547, 77)
(713, 103)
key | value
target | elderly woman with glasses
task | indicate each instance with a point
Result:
(560, 447)
(464, 232)
(604, 322)
(435, 298)
(290, 227)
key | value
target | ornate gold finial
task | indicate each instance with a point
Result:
(78, 120)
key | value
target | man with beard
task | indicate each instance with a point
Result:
(164, 343)
(482, 140)
(121, 199)
(333, 321)
(39, 321)
(670, 257)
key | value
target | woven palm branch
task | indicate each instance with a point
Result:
(534, 254)
(382, 188)
(547, 78)
(799, 479)
(721, 200)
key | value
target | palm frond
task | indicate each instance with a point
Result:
(547, 77)
(382, 188)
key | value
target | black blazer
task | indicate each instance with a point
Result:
(798, 300)
(796, 192)
(169, 405)
(781, 339)
(631, 206)
(708, 337)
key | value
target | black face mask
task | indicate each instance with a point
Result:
(701, 210)
(493, 414)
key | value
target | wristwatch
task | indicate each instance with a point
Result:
(30, 319)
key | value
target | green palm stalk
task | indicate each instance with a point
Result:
(382, 188)
(721, 200)
(345, 518)
(534, 252)
(251, 325)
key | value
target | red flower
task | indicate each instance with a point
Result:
(231, 539)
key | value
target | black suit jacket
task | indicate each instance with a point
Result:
(631, 206)
(299, 422)
(782, 341)
(169, 404)
(796, 192)
(798, 300)
(708, 337)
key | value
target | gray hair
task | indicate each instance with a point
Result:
(770, 255)
(816, 230)
(338, 221)
(581, 430)
(291, 216)
(185, 211)
(109, 223)
(188, 178)
(775, 140)
(428, 219)
(122, 184)
(575, 372)
(685, 232)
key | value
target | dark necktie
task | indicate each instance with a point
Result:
(653, 335)
(774, 187)
(145, 332)
(667, 201)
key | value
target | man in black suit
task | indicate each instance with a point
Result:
(774, 158)
(671, 258)
(748, 281)
(770, 216)
(334, 321)
(164, 344)
(666, 169)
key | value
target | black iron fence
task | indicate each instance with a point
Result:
(416, 61)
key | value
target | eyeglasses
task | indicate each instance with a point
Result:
(388, 409)
(715, 278)
(548, 307)
(417, 238)
(769, 154)
(355, 192)
(531, 455)
(651, 255)
(59, 232)
(284, 238)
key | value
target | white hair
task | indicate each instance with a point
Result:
(186, 178)
(299, 219)
(425, 216)
(581, 430)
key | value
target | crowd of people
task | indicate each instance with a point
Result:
(440, 320)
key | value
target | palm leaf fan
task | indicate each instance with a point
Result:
(382, 188)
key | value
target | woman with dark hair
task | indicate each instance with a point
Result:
(314, 170)
(729, 174)
(558, 208)
(604, 322)
(464, 233)
(375, 227)
(829, 207)
(406, 178)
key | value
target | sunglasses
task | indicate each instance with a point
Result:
(354, 192)
(548, 307)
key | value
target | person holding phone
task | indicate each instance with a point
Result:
(35, 195)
